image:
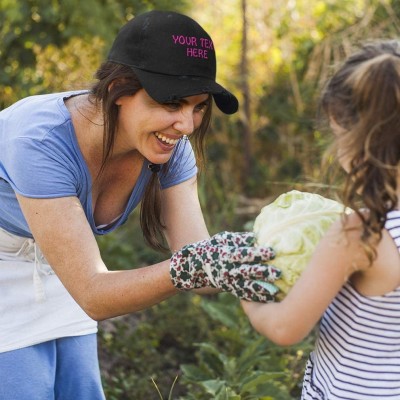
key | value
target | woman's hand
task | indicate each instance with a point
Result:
(228, 261)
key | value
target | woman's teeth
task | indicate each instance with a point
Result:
(165, 139)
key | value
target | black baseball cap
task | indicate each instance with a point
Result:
(172, 56)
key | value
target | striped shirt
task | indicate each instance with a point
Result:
(357, 355)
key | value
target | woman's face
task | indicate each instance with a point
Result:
(153, 129)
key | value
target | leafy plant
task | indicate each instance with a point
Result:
(238, 364)
(150, 345)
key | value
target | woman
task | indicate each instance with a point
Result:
(74, 165)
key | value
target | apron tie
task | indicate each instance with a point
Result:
(31, 251)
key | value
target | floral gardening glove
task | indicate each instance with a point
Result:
(228, 261)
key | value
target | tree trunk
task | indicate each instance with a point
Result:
(245, 107)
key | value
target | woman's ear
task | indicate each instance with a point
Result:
(113, 84)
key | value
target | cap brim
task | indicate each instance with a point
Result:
(164, 88)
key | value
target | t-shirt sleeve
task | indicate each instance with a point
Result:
(40, 168)
(181, 167)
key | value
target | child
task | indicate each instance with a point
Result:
(353, 278)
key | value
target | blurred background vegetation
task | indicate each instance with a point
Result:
(275, 56)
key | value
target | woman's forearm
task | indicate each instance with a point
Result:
(113, 293)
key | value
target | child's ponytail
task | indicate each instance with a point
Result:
(363, 97)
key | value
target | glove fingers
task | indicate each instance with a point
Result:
(258, 285)
(253, 291)
(261, 272)
(234, 239)
(226, 275)
(257, 254)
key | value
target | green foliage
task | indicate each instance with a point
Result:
(170, 392)
(236, 363)
(151, 344)
(67, 31)
(125, 248)
(156, 347)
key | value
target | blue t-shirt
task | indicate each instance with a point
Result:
(40, 158)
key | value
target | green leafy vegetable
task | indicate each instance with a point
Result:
(293, 225)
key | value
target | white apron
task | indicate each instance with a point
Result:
(34, 305)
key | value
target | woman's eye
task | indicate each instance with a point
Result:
(201, 107)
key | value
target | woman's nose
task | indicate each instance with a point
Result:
(185, 122)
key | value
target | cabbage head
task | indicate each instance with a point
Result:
(293, 225)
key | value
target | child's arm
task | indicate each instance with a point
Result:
(336, 257)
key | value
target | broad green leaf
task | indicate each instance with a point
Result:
(194, 373)
(258, 378)
(213, 386)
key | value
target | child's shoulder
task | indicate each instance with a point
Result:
(383, 276)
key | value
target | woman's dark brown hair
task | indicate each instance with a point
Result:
(115, 81)
(363, 97)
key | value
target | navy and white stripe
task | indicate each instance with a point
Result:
(357, 355)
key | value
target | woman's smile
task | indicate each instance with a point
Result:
(166, 140)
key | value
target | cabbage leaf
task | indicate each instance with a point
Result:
(293, 225)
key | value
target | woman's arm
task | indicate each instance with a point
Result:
(335, 259)
(62, 232)
(182, 215)
(183, 218)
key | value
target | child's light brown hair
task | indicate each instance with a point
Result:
(363, 97)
